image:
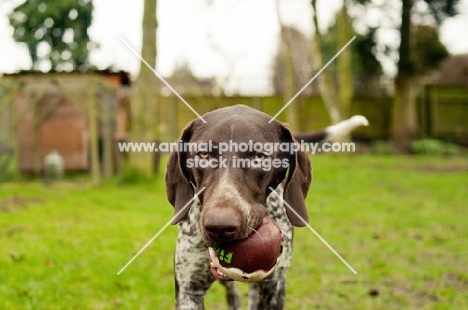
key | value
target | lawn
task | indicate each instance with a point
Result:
(401, 222)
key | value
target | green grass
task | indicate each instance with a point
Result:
(401, 222)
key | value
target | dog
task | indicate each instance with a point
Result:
(235, 199)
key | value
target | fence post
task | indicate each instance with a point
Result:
(93, 131)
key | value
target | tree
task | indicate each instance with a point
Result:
(405, 127)
(337, 95)
(325, 80)
(300, 58)
(294, 62)
(344, 65)
(292, 69)
(366, 63)
(185, 82)
(287, 79)
(365, 67)
(426, 49)
(144, 107)
(55, 32)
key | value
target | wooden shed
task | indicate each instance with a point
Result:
(79, 115)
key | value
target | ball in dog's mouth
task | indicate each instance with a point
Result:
(251, 259)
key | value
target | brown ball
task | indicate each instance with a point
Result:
(249, 259)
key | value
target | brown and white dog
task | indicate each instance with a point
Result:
(235, 199)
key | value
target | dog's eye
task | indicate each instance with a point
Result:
(259, 156)
(203, 155)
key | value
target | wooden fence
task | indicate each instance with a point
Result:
(174, 115)
(445, 112)
(442, 113)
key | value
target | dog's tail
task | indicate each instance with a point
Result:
(333, 133)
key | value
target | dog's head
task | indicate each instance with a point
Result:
(236, 180)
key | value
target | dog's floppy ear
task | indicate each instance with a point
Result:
(178, 187)
(298, 182)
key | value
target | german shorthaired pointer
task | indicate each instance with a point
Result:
(236, 199)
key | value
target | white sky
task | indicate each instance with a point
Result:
(228, 38)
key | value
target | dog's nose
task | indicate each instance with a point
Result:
(222, 225)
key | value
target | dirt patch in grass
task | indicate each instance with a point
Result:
(456, 281)
(17, 202)
(442, 168)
